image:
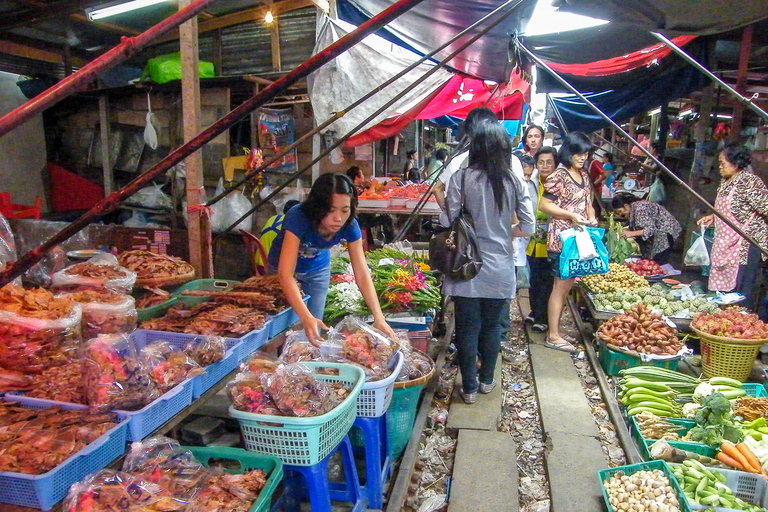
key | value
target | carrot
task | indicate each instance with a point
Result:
(729, 461)
(751, 457)
(730, 449)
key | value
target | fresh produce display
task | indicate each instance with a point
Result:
(60, 383)
(168, 366)
(642, 491)
(655, 298)
(655, 427)
(641, 331)
(105, 312)
(707, 487)
(740, 456)
(730, 323)
(645, 267)
(619, 248)
(37, 330)
(759, 447)
(751, 408)
(714, 422)
(618, 277)
(35, 441)
(663, 450)
(647, 397)
(657, 381)
(151, 265)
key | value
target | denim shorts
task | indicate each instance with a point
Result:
(554, 263)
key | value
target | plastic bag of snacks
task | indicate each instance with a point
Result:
(357, 341)
(297, 392)
(248, 393)
(108, 490)
(60, 383)
(101, 271)
(206, 350)
(105, 312)
(114, 377)
(415, 363)
(37, 330)
(230, 493)
(297, 348)
(168, 366)
(260, 362)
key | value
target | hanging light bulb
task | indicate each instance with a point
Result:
(268, 18)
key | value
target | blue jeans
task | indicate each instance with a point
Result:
(315, 284)
(478, 331)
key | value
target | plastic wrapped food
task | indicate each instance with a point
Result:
(229, 493)
(168, 366)
(206, 350)
(260, 362)
(60, 383)
(297, 348)
(248, 393)
(361, 343)
(7, 246)
(105, 312)
(150, 297)
(114, 377)
(37, 330)
(297, 392)
(101, 271)
(416, 364)
(151, 265)
(108, 491)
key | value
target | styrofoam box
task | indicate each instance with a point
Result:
(428, 206)
(373, 203)
(398, 201)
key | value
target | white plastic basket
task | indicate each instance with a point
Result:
(375, 397)
(749, 487)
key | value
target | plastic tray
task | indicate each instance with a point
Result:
(746, 486)
(373, 203)
(145, 314)
(644, 444)
(605, 474)
(44, 491)
(304, 441)
(613, 361)
(213, 373)
(209, 285)
(272, 466)
(374, 397)
(754, 390)
(283, 320)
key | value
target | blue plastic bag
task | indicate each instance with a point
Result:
(571, 264)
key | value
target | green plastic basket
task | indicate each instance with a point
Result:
(151, 312)
(247, 461)
(208, 285)
(304, 441)
(644, 444)
(605, 474)
(613, 361)
(400, 417)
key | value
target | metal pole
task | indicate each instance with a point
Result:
(645, 151)
(112, 201)
(741, 99)
(341, 139)
(337, 115)
(128, 47)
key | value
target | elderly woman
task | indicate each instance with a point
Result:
(654, 228)
(743, 198)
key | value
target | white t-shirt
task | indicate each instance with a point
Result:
(462, 160)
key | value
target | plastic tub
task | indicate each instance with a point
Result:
(375, 397)
(605, 474)
(209, 285)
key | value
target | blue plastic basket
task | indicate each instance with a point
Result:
(283, 320)
(44, 491)
(253, 341)
(149, 418)
(754, 390)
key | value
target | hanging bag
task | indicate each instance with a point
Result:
(697, 255)
(571, 262)
(455, 251)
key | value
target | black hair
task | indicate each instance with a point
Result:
(546, 150)
(410, 153)
(490, 151)
(290, 204)
(526, 159)
(353, 172)
(608, 155)
(622, 200)
(525, 134)
(318, 204)
(738, 155)
(575, 143)
(476, 117)
(441, 154)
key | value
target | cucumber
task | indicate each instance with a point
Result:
(725, 381)
(638, 409)
(733, 394)
(713, 500)
(642, 397)
(654, 404)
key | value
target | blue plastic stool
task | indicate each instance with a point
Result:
(378, 466)
(320, 490)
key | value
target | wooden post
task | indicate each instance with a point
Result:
(274, 32)
(699, 158)
(200, 250)
(741, 82)
(106, 164)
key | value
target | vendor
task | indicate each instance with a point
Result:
(654, 228)
(743, 198)
(301, 251)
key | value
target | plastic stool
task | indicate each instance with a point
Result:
(320, 490)
(378, 466)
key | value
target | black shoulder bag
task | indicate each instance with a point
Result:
(455, 251)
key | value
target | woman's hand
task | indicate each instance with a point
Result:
(707, 220)
(628, 234)
(578, 220)
(384, 327)
(312, 328)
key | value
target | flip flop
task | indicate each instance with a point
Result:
(562, 347)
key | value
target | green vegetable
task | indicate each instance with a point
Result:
(619, 249)
(714, 422)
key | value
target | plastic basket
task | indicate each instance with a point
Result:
(754, 390)
(209, 285)
(723, 359)
(44, 491)
(644, 444)
(213, 373)
(400, 417)
(605, 474)
(745, 486)
(283, 320)
(304, 441)
(374, 397)
(247, 461)
(151, 312)
(613, 361)
(149, 418)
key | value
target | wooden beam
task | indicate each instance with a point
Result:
(741, 81)
(274, 35)
(106, 164)
(244, 16)
(39, 44)
(28, 52)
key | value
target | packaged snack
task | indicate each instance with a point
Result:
(108, 490)
(101, 271)
(357, 341)
(105, 312)
(248, 393)
(114, 377)
(230, 493)
(297, 392)
(297, 348)
(60, 383)
(206, 350)
(260, 362)
(416, 364)
(168, 366)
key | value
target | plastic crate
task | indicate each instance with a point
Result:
(749, 487)
(374, 397)
(209, 285)
(283, 320)
(613, 361)
(400, 417)
(150, 417)
(213, 373)
(145, 314)
(248, 461)
(644, 444)
(44, 491)
(304, 441)
(754, 390)
(605, 474)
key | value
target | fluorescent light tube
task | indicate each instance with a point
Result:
(97, 13)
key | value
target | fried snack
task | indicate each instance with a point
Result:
(105, 312)
(148, 265)
(95, 275)
(60, 383)
(206, 350)
(151, 297)
(109, 490)
(208, 318)
(168, 366)
(267, 285)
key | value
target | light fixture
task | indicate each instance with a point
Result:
(104, 11)
(724, 116)
(685, 112)
(655, 111)
(268, 18)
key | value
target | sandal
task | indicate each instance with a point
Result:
(563, 346)
(539, 328)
